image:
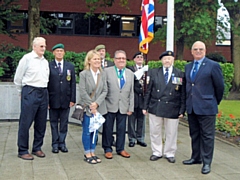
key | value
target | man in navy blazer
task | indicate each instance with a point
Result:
(204, 89)
(62, 96)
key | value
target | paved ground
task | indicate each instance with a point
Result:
(70, 166)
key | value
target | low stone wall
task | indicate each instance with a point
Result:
(10, 102)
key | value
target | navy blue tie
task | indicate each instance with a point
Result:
(195, 70)
(59, 68)
(166, 76)
(122, 81)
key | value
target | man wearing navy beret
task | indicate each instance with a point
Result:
(62, 96)
(165, 103)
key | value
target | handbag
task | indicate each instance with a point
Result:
(79, 109)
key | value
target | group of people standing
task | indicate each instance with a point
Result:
(118, 94)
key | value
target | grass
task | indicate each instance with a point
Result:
(230, 107)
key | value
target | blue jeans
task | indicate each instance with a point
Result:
(87, 137)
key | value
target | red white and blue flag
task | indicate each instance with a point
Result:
(146, 29)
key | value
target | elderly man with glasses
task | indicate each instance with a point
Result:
(120, 103)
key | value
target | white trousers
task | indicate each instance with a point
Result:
(156, 131)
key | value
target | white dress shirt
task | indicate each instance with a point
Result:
(32, 70)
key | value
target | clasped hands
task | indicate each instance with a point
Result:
(93, 108)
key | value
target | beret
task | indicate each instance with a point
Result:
(58, 46)
(138, 53)
(100, 46)
(166, 53)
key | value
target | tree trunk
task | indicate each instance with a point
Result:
(180, 48)
(236, 55)
(179, 41)
(33, 20)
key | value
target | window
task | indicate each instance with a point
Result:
(19, 26)
(81, 24)
(128, 26)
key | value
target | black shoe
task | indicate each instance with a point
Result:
(191, 161)
(206, 169)
(63, 149)
(154, 158)
(171, 159)
(143, 144)
(131, 144)
(55, 150)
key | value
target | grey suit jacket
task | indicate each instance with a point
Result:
(119, 99)
(87, 86)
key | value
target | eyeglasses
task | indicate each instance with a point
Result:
(139, 56)
(118, 58)
(196, 49)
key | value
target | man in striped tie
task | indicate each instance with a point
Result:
(165, 103)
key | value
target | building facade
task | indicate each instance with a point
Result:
(117, 29)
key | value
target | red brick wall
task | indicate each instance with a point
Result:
(85, 43)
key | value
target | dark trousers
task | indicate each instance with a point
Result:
(34, 105)
(108, 131)
(202, 132)
(136, 126)
(59, 126)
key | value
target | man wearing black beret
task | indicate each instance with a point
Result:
(62, 96)
(165, 103)
(136, 126)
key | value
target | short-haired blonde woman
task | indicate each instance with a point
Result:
(91, 77)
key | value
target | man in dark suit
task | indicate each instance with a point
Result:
(165, 103)
(62, 96)
(120, 103)
(204, 89)
(136, 121)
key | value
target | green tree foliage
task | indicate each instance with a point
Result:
(234, 12)
(194, 20)
(8, 9)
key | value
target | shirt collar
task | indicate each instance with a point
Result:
(199, 61)
(93, 73)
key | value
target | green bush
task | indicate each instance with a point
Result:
(15, 54)
(216, 57)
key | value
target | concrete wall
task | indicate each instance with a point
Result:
(10, 102)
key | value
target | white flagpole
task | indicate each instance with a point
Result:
(170, 25)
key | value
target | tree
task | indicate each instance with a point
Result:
(33, 20)
(8, 10)
(234, 12)
(194, 20)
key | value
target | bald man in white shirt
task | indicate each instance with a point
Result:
(31, 79)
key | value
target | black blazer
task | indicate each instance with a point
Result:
(61, 87)
(138, 90)
(108, 63)
(165, 100)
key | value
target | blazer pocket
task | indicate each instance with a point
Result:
(207, 97)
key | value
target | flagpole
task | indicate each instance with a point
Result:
(170, 26)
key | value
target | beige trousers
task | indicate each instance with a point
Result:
(156, 131)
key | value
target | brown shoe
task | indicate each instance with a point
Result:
(39, 154)
(124, 154)
(26, 156)
(108, 155)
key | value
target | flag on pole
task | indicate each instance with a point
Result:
(146, 28)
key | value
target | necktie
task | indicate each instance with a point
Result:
(59, 68)
(166, 76)
(195, 70)
(122, 81)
